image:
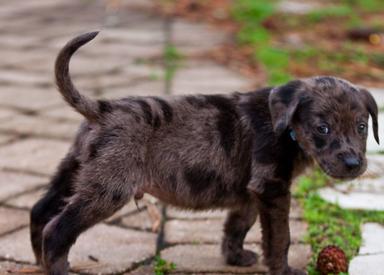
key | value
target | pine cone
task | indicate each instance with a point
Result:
(332, 260)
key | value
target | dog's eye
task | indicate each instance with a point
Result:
(323, 129)
(362, 128)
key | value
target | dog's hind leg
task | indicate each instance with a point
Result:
(238, 223)
(52, 202)
(92, 202)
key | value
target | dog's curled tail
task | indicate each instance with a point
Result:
(87, 107)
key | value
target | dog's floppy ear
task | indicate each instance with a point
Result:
(371, 106)
(283, 102)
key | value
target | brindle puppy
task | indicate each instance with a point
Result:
(236, 151)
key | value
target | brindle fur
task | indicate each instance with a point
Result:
(200, 152)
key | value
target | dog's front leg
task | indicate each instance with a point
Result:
(274, 217)
(238, 223)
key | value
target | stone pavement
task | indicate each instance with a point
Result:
(36, 128)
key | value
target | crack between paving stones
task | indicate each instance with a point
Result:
(13, 231)
(370, 254)
(25, 192)
(25, 171)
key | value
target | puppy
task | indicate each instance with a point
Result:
(236, 151)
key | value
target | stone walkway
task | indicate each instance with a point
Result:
(36, 128)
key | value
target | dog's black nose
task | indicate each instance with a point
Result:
(352, 162)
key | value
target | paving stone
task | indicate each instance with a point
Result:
(175, 213)
(18, 269)
(205, 258)
(128, 246)
(26, 200)
(141, 221)
(101, 82)
(297, 6)
(12, 183)
(367, 264)
(375, 166)
(127, 209)
(378, 94)
(33, 125)
(373, 239)
(146, 88)
(353, 200)
(191, 38)
(372, 146)
(6, 113)
(29, 98)
(63, 112)
(36, 155)
(10, 77)
(299, 256)
(4, 138)
(134, 35)
(211, 231)
(207, 78)
(126, 50)
(142, 270)
(11, 219)
(371, 253)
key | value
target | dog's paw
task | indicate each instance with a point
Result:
(242, 258)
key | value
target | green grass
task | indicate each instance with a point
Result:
(162, 267)
(366, 5)
(250, 15)
(332, 11)
(172, 59)
(328, 223)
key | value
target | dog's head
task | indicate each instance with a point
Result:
(329, 119)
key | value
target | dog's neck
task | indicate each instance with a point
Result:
(283, 150)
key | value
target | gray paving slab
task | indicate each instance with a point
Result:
(5, 138)
(367, 264)
(353, 200)
(298, 6)
(378, 94)
(175, 213)
(141, 221)
(7, 267)
(27, 200)
(372, 146)
(36, 155)
(29, 97)
(366, 192)
(12, 183)
(205, 258)
(144, 88)
(207, 78)
(211, 231)
(39, 126)
(373, 239)
(128, 247)
(11, 219)
(371, 253)
(62, 112)
(6, 114)
(193, 37)
(12, 77)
